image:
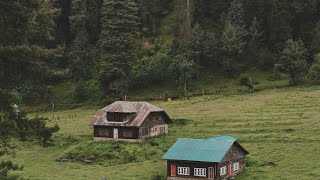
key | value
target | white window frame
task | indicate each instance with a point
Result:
(236, 166)
(201, 172)
(185, 171)
(162, 129)
(223, 170)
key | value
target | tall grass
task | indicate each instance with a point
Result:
(279, 128)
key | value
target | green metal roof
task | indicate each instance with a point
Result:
(212, 149)
(224, 138)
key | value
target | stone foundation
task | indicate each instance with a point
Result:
(98, 139)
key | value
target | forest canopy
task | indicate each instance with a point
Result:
(107, 47)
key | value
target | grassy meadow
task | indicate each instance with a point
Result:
(280, 128)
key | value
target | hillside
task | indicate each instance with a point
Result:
(278, 127)
(62, 60)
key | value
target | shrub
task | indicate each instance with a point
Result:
(246, 80)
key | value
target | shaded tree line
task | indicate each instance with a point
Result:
(231, 35)
(109, 47)
(27, 52)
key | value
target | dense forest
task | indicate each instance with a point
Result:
(108, 47)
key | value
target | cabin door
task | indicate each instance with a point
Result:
(229, 169)
(211, 173)
(173, 170)
(115, 133)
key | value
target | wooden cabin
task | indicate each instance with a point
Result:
(219, 157)
(129, 121)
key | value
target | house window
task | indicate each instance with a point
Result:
(162, 129)
(223, 170)
(200, 172)
(236, 166)
(145, 131)
(116, 117)
(103, 132)
(127, 133)
(183, 171)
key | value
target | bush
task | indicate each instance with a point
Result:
(246, 80)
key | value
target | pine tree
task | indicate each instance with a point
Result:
(78, 53)
(85, 30)
(233, 45)
(118, 43)
(26, 27)
(236, 13)
(201, 48)
(255, 34)
(280, 29)
(315, 42)
(233, 37)
(292, 60)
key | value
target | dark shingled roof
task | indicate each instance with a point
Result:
(140, 109)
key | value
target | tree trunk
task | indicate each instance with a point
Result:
(185, 9)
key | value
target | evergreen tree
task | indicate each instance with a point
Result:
(233, 37)
(280, 18)
(255, 43)
(85, 30)
(233, 45)
(236, 13)
(292, 60)
(151, 12)
(207, 12)
(79, 47)
(315, 42)
(201, 47)
(26, 27)
(184, 70)
(118, 43)
(255, 34)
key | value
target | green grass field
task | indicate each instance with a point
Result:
(280, 128)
